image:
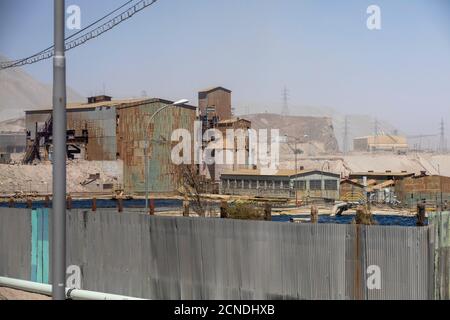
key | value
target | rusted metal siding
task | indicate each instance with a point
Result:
(431, 188)
(133, 125)
(220, 99)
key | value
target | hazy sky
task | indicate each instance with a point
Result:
(321, 50)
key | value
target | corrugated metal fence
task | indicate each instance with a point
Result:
(441, 225)
(194, 258)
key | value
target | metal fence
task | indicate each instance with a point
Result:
(441, 255)
(15, 243)
(196, 258)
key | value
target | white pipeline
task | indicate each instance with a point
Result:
(46, 289)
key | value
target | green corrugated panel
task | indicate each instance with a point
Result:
(40, 246)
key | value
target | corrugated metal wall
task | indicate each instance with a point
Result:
(191, 258)
(194, 258)
(441, 224)
(133, 125)
(15, 243)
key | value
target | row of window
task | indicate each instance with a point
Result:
(331, 185)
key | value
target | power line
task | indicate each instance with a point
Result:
(49, 52)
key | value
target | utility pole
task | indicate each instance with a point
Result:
(375, 134)
(59, 156)
(345, 142)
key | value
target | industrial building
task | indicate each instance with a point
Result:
(133, 124)
(378, 177)
(104, 129)
(388, 143)
(12, 142)
(240, 128)
(434, 189)
(91, 129)
(216, 113)
(303, 185)
(215, 103)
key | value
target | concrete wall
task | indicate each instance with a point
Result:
(193, 258)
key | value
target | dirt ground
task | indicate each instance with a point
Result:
(23, 179)
(12, 294)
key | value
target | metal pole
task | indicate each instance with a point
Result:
(296, 155)
(46, 289)
(146, 171)
(59, 157)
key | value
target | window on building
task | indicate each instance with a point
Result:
(300, 185)
(315, 184)
(331, 185)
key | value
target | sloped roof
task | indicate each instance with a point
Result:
(210, 89)
(279, 173)
(113, 103)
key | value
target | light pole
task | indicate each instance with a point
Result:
(59, 157)
(146, 164)
(295, 150)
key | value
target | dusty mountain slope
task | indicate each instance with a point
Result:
(316, 134)
(19, 92)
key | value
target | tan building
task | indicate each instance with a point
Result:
(304, 185)
(380, 143)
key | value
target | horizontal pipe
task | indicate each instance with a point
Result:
(46, 289)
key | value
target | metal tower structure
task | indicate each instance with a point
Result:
(442, 140)
(345, 142)
(285, 110)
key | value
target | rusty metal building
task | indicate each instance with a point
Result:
(95, 121)
(215, 103)
(115, 130)
(133, 124)
(433, 189)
